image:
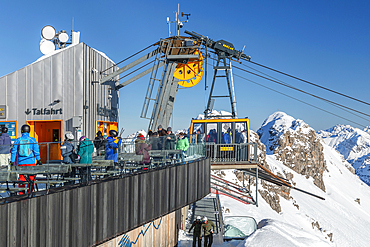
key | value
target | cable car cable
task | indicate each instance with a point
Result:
(313, 84)
(292, 87)
(366, 119)
(300, 100)
(297, 89)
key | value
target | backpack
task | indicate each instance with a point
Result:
(24, 147)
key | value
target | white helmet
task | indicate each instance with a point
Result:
(70, 137)
(199, 218)
(205, 218)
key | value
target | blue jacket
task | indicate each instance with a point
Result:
(66, 150)
(34, 148)
(111, 149)
(228, 138)
(5, 142)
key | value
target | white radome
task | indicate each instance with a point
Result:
(63, 37)
(46, 46)
(48, 32)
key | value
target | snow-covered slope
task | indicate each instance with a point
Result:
(291, 218)
(353, 144)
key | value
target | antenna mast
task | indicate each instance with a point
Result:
(178, 24)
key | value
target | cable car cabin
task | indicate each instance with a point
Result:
(227, 142)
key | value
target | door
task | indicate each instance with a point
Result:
(48, 135)
(104, 127)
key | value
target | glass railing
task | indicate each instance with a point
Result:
(72, 162)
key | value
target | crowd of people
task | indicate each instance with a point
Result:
(82, 151)
(202, 228)
(227, 137)
(24, 151)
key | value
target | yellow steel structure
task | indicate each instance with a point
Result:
(190, 73)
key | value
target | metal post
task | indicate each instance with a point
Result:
(232, 88)
(48, 184)
(243, 180)
(257, 186)
(255, 152)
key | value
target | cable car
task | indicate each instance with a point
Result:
(227, 140)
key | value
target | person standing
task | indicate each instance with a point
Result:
(199, 137)
(182, 144)
(170, 140)
(85, 151)
(228, 137)
(244, 136)
(154, 140)
(162, 137)
(161, 131)
(69, 155)
(5, 143)
(208, 228)
(141, 148)
(26, 149)
(99, 143)
(197, 237)
(113, 144)
(67, 149)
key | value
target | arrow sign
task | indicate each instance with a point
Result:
(28, 112)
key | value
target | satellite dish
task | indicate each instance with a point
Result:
(63, 37)
(48, 32)
(46, 46)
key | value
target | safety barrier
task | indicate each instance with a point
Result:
(90, 163)
(232, 153)
(105, 209)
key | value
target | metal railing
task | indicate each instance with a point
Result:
(59, 168)
(232, 153)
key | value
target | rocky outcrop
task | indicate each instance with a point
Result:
(303, 153)
(354, 145)
(295, 144)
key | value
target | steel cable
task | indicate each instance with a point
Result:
(313, 84)
(297, 89)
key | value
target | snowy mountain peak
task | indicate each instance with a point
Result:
(214, 113)
(296, 144)
(276, 125)
(343, 130)
(353, 144)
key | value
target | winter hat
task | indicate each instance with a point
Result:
(160, 127)
(140, 136)
(82, 138)
(169, 129)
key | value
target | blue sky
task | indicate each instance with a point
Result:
(325, 42)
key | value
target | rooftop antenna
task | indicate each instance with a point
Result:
(178, 24)
(50, 38)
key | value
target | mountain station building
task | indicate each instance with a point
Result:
(60, 93)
